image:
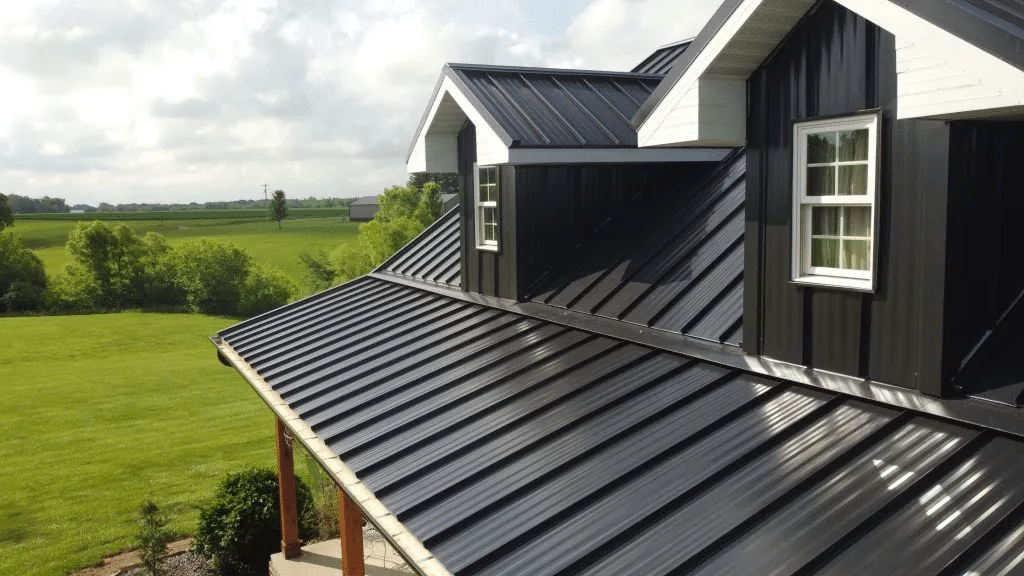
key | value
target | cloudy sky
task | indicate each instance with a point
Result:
(198, 100)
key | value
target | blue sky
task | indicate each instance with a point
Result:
(198, 100)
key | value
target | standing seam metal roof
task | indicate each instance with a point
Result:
(548, 108)
(662, 60)
(432, 257)
(511, 445)
(682, 273)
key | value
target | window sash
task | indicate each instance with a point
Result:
(843, 249)
(485, 195)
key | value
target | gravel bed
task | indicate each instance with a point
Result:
(185, 564)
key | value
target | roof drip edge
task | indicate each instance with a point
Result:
(410, 548)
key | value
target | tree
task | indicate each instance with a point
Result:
(278, 209)
(22, 275)
(152, 539)
(115, 257)
(449, 183)
(213, 275)
(6, 216)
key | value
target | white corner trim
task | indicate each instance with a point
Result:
(412, 549)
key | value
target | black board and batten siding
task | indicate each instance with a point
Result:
(836, 63)
(942, 188)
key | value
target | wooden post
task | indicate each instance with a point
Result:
(350, 520)
(286, 491)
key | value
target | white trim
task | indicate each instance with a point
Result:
(481, 243)
(802, 272)
(373, 509)
(939, 75)
(614, 155)
(436, 145)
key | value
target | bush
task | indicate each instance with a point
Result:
(22, 276)
(212, 275)
(152, 538)
(241, 528)
(265, 289)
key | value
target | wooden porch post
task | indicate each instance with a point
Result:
(286, 491)
(350, 520)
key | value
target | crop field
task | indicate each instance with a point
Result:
(189, 214)
(101, 411)
(259, 237)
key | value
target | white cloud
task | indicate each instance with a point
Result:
(200, 100)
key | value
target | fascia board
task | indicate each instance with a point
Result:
(534, 156)
(648, 131)
(410, 547)
(492, 141)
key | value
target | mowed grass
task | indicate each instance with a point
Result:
(102, 411)
(259, 237)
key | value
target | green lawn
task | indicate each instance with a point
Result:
(260, 237)
(101, 411)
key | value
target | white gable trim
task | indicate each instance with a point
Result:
(436, 145)
(939, 75)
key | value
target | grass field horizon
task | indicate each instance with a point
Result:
(103, 411)
(261, 238)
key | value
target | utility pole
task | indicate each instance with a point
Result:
(266, 200)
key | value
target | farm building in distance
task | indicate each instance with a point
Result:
(757, 310)
(365, 208)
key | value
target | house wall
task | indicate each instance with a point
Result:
(836, 63)
(985, 268)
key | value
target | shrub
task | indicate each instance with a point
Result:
(22, 276)
(74, 290)
(241, 528)
(152, 538)
(212, 275)
(265, 288)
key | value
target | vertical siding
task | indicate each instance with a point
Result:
(985, 270)
(837, 63)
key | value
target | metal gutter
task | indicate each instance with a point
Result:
(966, 410)
(411, 549)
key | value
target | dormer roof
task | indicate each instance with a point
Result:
(537, 115)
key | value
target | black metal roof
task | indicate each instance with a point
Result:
(540, 107)
(662, 59)
(433, 257)
(996, 26)
(508, 444)
(681, 272)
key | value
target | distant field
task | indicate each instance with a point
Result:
(102, 411)
(259, 237)
(189, 214)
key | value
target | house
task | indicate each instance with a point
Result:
(759, 314)
(365, 208)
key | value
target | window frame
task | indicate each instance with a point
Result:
(480, 206)
(801, 270)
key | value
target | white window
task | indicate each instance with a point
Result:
(834, 223)
(487, 207)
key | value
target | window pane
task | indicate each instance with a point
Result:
(821, 147)
(857, 221)
(821, 181)
(853, 145)
(856, 254)
(825, 221)
(490, 215)
(490, 233)
(853, 179)
(825, 252)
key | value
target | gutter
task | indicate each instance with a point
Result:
(374, 511)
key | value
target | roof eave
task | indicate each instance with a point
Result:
(411, 548)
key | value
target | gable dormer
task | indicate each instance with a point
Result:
(546, 157)
(881, 185)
